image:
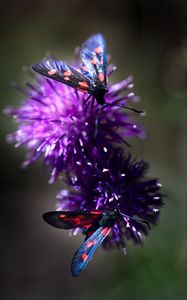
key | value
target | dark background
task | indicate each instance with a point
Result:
(147, 39)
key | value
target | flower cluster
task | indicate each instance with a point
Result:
(55, 122)
(115, 181)
(83, 141)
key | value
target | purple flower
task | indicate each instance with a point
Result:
(83, 139)
(54, 122)
(115, 181)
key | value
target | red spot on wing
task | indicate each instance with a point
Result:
(105, 231)
(83, 84)
(77, 220)
(89, 244)
(87, 226)
(84, 256)
(101, 77)
(62, 216)
(81, 220)
(98, 50)
(85, 68)
(67, 73)
(66, 78)
(51, 72)
(93, 61)
(94, 242)
(95, 212)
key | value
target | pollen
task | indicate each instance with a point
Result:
(52, 72)
(84, 256)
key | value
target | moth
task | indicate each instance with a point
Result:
(95, 224)
(90, 78)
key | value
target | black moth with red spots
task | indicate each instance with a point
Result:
(90, 77)
(96, 225)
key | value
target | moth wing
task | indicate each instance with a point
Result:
(62, 72)
(85, 252)
(71, 219)
(93, 55)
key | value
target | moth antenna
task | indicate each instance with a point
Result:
(127, 107)
(136, 219)
(133, 109)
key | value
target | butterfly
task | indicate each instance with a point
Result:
(90, 78)
(96, 225)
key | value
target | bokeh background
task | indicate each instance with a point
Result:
(146, 39)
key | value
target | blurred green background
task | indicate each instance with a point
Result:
(146, 39)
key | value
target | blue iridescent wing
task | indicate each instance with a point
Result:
(72, 219)
(93, 55)
(61, 71)
(85, 252)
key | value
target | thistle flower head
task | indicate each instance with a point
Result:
(115, 182)
(77, 135)
(56, 122)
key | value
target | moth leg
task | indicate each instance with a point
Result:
(86, 101)
(97, 119)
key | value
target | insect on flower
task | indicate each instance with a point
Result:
(91, 78)
(96, 225)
